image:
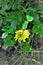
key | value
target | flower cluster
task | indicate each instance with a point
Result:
(21, 35)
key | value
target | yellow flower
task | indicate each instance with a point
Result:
(21, 35)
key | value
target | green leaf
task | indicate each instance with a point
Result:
(41, 33)
(4, 35)
(11, 30)
(29, 18)
(5, 28)
(38, 28)
(27, 48)
(31, 9)
(36, 17)
(35, 29)
(3, 12)
(4, 5)
(1, 20)
(24, 25)
(14, 6)
(8, 29)
(10, 5)
(41, 26)
(10, 18)
(14, 24)
(7, 42)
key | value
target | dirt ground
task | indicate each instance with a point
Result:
(37, 59)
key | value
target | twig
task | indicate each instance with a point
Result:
(34, 60)
(16, 60)
(37, 51)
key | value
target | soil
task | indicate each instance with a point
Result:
(37, 59)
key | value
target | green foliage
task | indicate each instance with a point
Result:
(4, 35)
(29, 18)
(38, 29)
(25, 24)
(27, 48)
(15, 15)
(7, 43)
(1, 20)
